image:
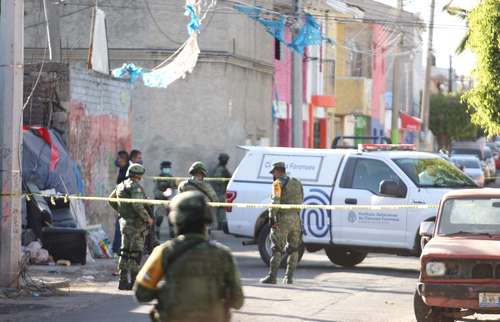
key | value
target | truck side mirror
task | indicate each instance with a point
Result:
(392, 188)
(427, 228)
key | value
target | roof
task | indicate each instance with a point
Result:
(481, 193)
(465, 157)
(390, 154)
(375, 10)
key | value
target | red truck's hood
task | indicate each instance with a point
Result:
(463, 247)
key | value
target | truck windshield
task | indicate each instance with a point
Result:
(470, 216)
(434, 172)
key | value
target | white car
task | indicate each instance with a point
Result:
(346, 177)
(471, 167)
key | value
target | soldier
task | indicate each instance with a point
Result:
(164, 190)
(134, 220)
(198, 172)
(200, 280)
(286, 230)
(221, 171)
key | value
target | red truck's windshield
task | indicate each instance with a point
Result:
(470, 216)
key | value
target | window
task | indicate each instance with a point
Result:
(277, 49)
(470, 216)
(368, 174)
(434, 173)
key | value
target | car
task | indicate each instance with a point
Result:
(495, 147)
(478, 149)
(373, 175)
(460, 261)
(471, 166)
(490, 163)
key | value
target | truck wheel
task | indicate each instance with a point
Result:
(425, 313)
(264, 243)
(345, 257)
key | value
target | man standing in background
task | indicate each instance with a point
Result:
(122, 163)
(164, 190)
(221, 171)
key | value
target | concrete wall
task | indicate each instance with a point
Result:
(99, 125)
(225, 102)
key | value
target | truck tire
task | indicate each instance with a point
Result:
(264, 245)
(424, 313)
(345, 257)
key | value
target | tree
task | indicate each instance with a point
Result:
(450, 120)
(462, 14)
(484, 41)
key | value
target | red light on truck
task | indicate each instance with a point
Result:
(230, 197)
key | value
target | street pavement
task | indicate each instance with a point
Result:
(378, 290)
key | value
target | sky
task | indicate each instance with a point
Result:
(448, 31)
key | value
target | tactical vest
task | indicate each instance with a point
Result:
(194, 283)
(123, 191)
(292, 192)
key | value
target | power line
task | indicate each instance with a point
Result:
(339, 19)
(158, 25)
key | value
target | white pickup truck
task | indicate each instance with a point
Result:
(372, 175)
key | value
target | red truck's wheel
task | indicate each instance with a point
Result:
(425, 313)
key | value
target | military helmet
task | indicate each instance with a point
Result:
(188, 208)
(198, 166)
(223, 157)
(278, 165)
(135, 169)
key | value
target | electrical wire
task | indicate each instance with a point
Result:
(148, 9)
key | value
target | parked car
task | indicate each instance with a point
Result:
(490, 162)
(460, 262)
(471, 166)
(495, 148)
(478, 149)
(376, 174)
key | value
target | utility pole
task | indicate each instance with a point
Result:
(396, 83)
(450, 76)
(297, 88)
(427, 83)
(11, 101)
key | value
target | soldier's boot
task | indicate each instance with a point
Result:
(288, 279)
(133, 276)
(269, 279)
(124, 285)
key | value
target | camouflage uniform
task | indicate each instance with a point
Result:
(221, 171)
(286, 229)
(201, 279)
(193, 184)
(133, 224)
(160, 210)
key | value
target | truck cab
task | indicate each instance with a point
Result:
(460, 263)
(383, 192)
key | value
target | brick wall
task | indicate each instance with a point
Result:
(98, 127)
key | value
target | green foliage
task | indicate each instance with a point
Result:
(449, 120)
(484, 41)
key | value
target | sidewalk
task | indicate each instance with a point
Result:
(58, 289)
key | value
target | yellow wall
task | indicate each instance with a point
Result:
(353, 95)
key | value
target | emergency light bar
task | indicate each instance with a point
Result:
(386, 147)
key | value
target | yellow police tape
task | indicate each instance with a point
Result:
(66, 198)
(184, 178)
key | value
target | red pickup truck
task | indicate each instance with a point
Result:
(460, 262)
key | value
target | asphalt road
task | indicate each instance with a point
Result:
(380, 289)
